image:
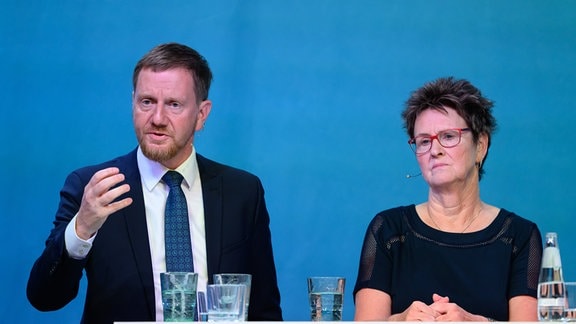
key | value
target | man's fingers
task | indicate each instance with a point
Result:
(99, 201)
(103, 184)
(117, 205)
(112, 194)
(104, 173)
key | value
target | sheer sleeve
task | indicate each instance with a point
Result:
(375, 268)
(369, 247)
(534, 258)
(526, 265)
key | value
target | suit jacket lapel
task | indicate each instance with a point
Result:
(135, 216)
(212, 197)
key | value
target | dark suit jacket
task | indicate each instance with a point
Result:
(118, 267)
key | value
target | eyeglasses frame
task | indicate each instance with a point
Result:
(435, 137)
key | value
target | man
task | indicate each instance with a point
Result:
(110, 220)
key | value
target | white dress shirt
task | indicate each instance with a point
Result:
(155, 193)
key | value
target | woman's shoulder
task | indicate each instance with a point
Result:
(515, 225)
(396, 212)
(393, 218)
(514, 219)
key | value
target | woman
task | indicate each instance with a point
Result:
(453, 257)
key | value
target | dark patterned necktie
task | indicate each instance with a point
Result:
(176, 227)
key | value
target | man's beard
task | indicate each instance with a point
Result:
(159, 154)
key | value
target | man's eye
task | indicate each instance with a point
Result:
(175, 105)
(146, 102)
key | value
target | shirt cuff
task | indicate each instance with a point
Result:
(77, 248)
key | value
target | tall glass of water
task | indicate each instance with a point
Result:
(179, 296)
(326, 296)
(570, 306)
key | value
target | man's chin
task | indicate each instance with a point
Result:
(158, 154)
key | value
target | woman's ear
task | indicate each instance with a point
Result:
(482, 147)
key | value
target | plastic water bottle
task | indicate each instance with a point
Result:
(551, 290)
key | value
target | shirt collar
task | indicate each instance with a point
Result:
(152, 171)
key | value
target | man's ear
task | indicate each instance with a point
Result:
(203, 112)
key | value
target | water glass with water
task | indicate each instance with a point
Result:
(179, 296)
(202, 306)
(326, 295)
(225, 302)
(570, 306)
(237, 278)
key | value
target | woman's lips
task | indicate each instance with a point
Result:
(439, 165)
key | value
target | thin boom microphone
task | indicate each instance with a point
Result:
(408, 176)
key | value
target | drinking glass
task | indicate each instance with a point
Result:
(326, 296)
(202, 307)
(225, 302)
(178, 296)
(570, 309)
(237, 278)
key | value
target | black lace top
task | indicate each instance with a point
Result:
(479, 271)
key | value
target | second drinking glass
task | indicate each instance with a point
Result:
(237, 278)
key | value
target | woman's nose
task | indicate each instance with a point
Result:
(435, 147)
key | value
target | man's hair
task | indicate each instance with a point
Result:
(173, 55)
(459, 95)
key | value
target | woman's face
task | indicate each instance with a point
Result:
(443, 166)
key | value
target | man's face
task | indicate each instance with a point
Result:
(166, 115)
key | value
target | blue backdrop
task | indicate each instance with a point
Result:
(307, 95)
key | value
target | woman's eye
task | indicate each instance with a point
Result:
(423, 142)
(448, 136)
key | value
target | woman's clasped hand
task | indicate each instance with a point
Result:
(441, 310)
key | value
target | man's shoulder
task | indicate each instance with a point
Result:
(210, 167)
(123, 162)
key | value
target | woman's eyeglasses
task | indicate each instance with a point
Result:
(422, 144)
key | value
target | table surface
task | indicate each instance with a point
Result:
(308, 322)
